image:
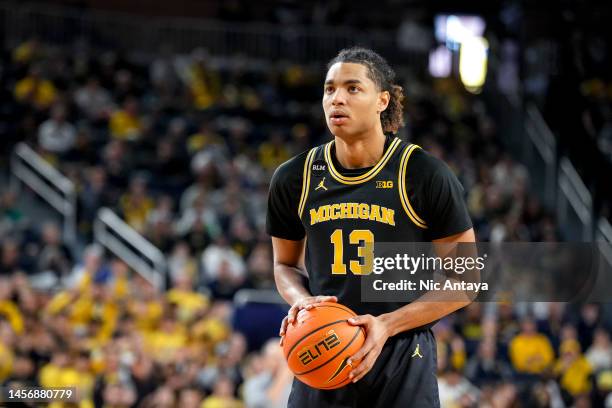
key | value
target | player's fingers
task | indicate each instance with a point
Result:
(283, 327)
(360, 320)
(292, 313)
(368, 345)
(364, 366)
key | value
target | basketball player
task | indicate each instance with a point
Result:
(320, 258)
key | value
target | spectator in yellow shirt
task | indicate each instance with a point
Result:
(27, 51)
(6, 360)
(8, 308)
(273, 152)
(222, 396)
(530, 351)
(35, 90)
(573, 369)
(136, 204)
(125, 124)
(188, 302)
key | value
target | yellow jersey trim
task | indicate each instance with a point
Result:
(401, 181)
(364, 177)
(306, 181)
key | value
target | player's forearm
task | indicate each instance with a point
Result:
(289, 283)
(419, 313)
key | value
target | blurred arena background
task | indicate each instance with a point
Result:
(138, 140)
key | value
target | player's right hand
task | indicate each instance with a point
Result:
(306, 303)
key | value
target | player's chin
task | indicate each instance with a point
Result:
(340, 130)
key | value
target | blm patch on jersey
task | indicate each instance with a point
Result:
(319, 168)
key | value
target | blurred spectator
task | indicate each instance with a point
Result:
(126, 124)
(456, 391)
(270, 385)
(91, 269)
(573, 369)
(12, 259)
(136, 204)
(222, 395)
(162, 73)
(35, 90)
(188, 302)
(199, 216)
(181, 262)
(599, 355)
(11, 217)
(56, 135)
(229, 355)
(588, 322)
(505, 395)
(96, 194)
(203, 83)
(27, 51)
(260, 268)
(94, 101)
(485, 368)
(190, 398)
(274, 152)
(9, 310)
(54, 255)
(530, 352)
(224, 269)
(204, 139)
(118, 395)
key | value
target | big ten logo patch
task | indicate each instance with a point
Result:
(384, 184)
(308, 354)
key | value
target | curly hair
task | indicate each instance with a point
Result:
(381, 73)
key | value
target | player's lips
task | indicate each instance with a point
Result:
(338, 117)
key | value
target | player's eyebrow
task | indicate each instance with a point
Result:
(347, 82)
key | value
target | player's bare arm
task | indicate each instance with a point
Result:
(288, 272)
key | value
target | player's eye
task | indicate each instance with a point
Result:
(329, 89)
(353, 89)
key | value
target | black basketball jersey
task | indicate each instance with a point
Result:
(343, 215)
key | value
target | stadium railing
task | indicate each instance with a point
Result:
(126, 243)
(541, 153)
(574, 204)
(604, 235)
(29, 168)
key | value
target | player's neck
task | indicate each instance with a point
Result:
(361, 152)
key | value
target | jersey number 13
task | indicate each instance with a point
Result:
(365, 251)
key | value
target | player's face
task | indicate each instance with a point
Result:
(351, 100)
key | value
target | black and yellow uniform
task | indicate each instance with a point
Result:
(408, 196)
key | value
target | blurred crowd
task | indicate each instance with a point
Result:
(183, 147)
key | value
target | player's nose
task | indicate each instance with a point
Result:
(338, 98)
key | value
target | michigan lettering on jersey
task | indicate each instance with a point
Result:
(352, 210)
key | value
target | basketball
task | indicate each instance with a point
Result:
(319, 343)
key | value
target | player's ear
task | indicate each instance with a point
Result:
(383, 100)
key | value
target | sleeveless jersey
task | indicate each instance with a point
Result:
(344, 216)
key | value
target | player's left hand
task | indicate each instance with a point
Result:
(377, 334)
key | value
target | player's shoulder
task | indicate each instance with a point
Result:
(423, 166)
(291, 171)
